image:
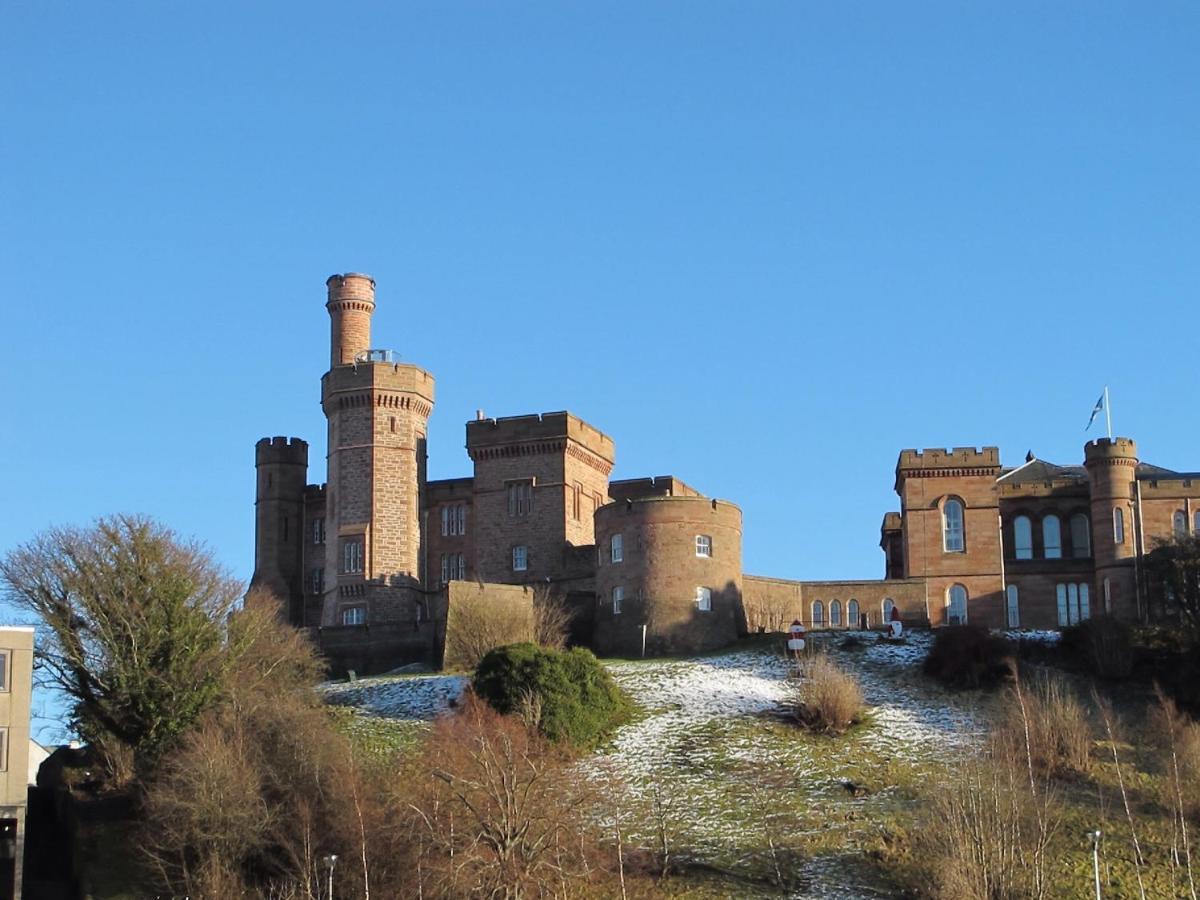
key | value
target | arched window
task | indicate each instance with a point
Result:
(818, 614)
(1179, 523)
(835, 613)
(1023, 537)
(1051, 538)
(956, 605)
(888, 605)
(852, 614)
(1118, 525)
(1081, 536)
(953, 539)
(1014, 607)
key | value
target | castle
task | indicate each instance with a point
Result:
(373, 559)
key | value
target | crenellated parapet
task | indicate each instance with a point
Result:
(547, 433)
(281, 451)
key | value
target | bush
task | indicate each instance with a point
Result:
(829, 700)
(1103, 646)
(1179, 738)
(1058, 733)
(969, 656)
(568, 695)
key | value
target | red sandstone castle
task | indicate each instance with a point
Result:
(373, 559)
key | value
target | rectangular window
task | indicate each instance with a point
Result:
(618, 594)
(1074, 603)
(704, 545)
(354, 615)
(577, 502)
(1118, 525)
(616, 549)
(318, 535)
(460, 571)
(318, 580)
(460, 518)
(520, 559)
(445, 568)
(445, 521)
(3, 749)
(703, 599)
(4, 671)
(520, 498)
(352, 556)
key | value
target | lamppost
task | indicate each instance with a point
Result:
(331, 861)
(1095, 836)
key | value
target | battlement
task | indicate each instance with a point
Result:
(1104, 450)
(369, 378)
(446, 489)
(654, 486)
(353, 287)
(891, 522)
(281, 451)
(658, 510)
(486, 434)
(955, 458)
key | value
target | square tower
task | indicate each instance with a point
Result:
(538, 482)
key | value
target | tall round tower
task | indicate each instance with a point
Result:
(1112, 472)
(377, 411)
(282, 467)
(351, 303)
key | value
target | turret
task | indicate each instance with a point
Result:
(282, 467)
(1111, 465)
(351, 303)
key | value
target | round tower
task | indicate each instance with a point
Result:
(351, 303)
(672, 565)
(282, 469)
(377, 411)
(1111, 465)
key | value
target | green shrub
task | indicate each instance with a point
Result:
(1101, 645)
(567, 694)
(969, 656)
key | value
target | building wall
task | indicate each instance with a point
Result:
(16, 700)
(660, 571)
(772, 604)
(448, 494)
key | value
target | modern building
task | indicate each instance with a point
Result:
(369, 560)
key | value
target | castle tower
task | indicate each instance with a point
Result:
(377, 411)
(1112, 470)
(282, 467)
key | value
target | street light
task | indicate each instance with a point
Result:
(1095, 838)
(331, 861)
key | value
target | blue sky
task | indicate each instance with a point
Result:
(763, 246)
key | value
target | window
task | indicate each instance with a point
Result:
(952, 526)
(354, 615)
(454, 567)
(704, 545)
(454, 520)
(1196, 523)
(618, 594)
(1073, 606)
(1023, 537)
(3, 749)
(318, 580)
(4, 671)
(1081, 536)
(818, 614)
(1014, 607)
(852, 614)
(888, 605)
(835, 613)
(1107, 597)
(520, 559)
(1118, 525)
(956, 605)
(577, 502)
(460, 566)
(352, 556)
(616, 549)
(703, 599)
(1179, 523)
(445, 567)
(520, 498)
(1051, 538)
(319, 530)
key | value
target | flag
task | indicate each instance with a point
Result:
(1095, 409)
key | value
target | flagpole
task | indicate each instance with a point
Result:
(1107, 412)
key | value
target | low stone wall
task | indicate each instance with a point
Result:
(774, 603)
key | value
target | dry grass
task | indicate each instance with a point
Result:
(829, 700)
(1054, 723)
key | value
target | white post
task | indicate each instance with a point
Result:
(1095, 836)
(1107, 412)
(643, 640)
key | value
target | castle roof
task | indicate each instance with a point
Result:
(1039, 471)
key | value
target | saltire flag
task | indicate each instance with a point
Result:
(1095, 409)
